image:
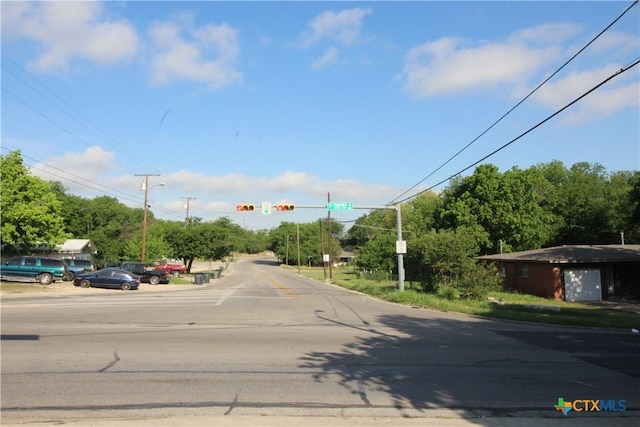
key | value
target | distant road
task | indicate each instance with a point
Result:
(264, 346)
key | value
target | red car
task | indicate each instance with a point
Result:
(170, 267)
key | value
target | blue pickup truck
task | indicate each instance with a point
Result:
(32, 268)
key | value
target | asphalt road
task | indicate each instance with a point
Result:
(264, 346)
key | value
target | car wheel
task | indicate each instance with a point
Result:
(85, 284)
(45, 279)
(125, 286)
(154, 280)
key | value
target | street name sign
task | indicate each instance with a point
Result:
(331, 206)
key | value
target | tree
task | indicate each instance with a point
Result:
(31, 212)
(210, 241)
(445, 261)
(420, 215)
(633, 222)
(313, 239)
(494, 207)
(368, 226)
(594, 206)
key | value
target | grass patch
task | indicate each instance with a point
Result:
(500, 305)
(23, 287)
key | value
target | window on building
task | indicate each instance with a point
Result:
(522, 270)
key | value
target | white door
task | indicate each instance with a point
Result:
(582, 284)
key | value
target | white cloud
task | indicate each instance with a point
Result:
(452, 65)
(77, 171)
(606, 100)
(329, 58)
(546, 34)
(447, 66)
(342, 27)
(209, 55)
(69, 30)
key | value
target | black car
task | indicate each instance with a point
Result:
(115, 278)
(152, 276)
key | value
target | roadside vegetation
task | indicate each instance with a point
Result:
(487, 212)
(497, 304)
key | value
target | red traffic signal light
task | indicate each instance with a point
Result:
(245, 207)
(285, 207)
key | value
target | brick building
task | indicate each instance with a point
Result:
(573, 273)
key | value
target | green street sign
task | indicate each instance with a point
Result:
(339, 206)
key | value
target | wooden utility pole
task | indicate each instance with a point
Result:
(298, 244)
(186, 206)
(145, 187)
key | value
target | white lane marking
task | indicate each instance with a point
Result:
(228, 293)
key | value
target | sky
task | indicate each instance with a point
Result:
(368, 103)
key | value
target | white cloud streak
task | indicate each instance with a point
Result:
(342, 27)
(66, 31)
(453, 65)
(208, 54)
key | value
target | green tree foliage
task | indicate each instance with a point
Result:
(510, 207)
(633, 222)
(378, 253)
(594, 207)
(209, 241)
(313, 242)
(368, 226)
(445, 259)
(114, 228)
(31, 212)
(420, 215)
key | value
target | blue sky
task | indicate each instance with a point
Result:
(251, 102)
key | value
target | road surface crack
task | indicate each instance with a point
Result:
(115, 360)
(233, 404)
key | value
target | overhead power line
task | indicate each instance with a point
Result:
(57, 101)
(515, 106)
(619, 72)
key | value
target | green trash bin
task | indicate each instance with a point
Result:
(206, 278)
(198, 278)
(216, 274)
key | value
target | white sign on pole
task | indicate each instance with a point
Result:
(266, 208)
(325, 257)
(401, 246)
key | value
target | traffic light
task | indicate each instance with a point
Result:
(244, 207)
(285, 207)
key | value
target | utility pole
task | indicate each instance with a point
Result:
(324, 265)
(145, 188)
(400, 253)
(298, 244)
(186, 206)
(329, 236)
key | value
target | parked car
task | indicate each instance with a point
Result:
(152, 276)
(115, 278)
(33, 268)
(79, 266)
(171, 266)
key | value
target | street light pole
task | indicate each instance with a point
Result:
(145, 187)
